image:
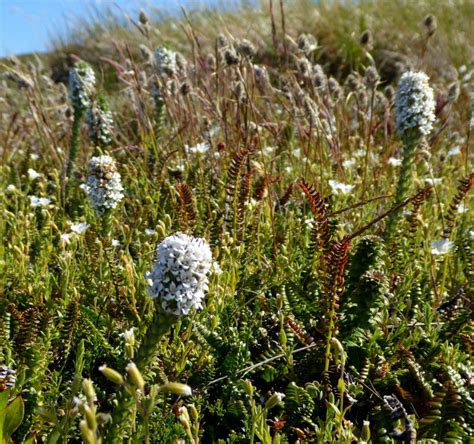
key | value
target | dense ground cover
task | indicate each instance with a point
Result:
(330, 297)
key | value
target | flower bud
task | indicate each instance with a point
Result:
(112, 375)
(176, 388)
(90, 417)
(275, 399)
(87, 433)
(135, 376)
(88, 390)
(365, 432)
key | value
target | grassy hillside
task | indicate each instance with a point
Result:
(328, 297)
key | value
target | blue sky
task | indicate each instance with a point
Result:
(27, 25)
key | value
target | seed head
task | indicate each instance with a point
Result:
(319, 78)
(430, 24)
(103, 184)
(179, 275)
(334, 89)
(307, 43)
(414, 104)
(246, 48)
(453, 92)
(231, 57)
(146, 53)
(366, 40)
(143, 18)
(371, 76)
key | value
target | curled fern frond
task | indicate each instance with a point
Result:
(464, 186)
(320, 211)
(187, 210)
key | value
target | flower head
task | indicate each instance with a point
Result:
(81, 85)
(340, 188)
(41, 202)
(100, 123)
(415, 104)
(103, 184)
(179, 275)
(441, 247)
(165, 60)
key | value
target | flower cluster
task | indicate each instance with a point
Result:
(179, 275)
(103, 184)
(165, 60)
(7, 377)
(100, 123)
(81, 85)
(415, 104)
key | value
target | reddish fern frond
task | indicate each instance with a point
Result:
(335, 264)
(233, 186)
(234, 172)
(418, 201)
(187, 209)
(465, 185)
(319, 210)
(244, 193)
(283, 200)
(260, 190)
(299, 332)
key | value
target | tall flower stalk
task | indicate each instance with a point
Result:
(100, 123)
(81, 88)
(178, 282)
(415, 106)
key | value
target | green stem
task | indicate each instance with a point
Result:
(409, 151)
(147, 352)
(76, 130)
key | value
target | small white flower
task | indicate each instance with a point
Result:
(67, 237)
(359, 153)
(11, 188)
(393, 161)
(340, 188)
(80, 227)
(127, 334)
(433, 181)
(268, 150)
(441, 247)
(309, 222)
(462, 208)
(34, 156)
(215, 268)
(297, 153)
(32, 174)
(42, 202)
(471, 234)
(149, 232)
(349, 163)
(115, 243)
(200, 148)
(454, 151)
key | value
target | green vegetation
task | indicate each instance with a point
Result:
(339, 302)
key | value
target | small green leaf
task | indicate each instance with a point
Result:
(14, 413)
